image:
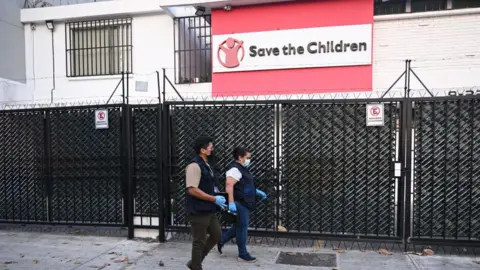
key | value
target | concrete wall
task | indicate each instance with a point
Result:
(441, 45)
(12, 42)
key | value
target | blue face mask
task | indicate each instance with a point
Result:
(247, 162)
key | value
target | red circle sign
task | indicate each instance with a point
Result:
(375, 111)
(101, 116)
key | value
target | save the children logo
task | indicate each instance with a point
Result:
(233, 52)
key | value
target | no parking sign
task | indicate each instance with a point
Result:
(101, 119)
(375, 115)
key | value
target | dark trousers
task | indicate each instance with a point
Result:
(239, 230)
(201, 246)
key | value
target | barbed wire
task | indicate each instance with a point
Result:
(195, 67)
(145, 100)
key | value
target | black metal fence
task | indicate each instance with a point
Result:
(326, 173)
(337, 173)
(446, 186)
(57, 168)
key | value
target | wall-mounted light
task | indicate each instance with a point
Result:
(227, 8)
(200, 11)
(50, 25)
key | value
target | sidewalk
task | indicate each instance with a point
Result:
(52, 251)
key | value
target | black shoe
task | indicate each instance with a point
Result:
(189, 265)
(219, 248)
(247, 258)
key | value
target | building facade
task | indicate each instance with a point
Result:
(80, 51)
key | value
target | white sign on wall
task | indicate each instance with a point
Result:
(101, 119)
(375, 115)
(349, 45)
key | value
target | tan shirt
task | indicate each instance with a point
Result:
(192, 175)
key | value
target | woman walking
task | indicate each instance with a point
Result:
(241, 201)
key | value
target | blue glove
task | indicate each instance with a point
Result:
(232, 207)
(261, 194)
(220, 201)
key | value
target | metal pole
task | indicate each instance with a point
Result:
(127, 154)
(390, 88)
(408, 170)
(48, 164)
(164, 87)
(420, 81)
(128, 89)
(407, 78)
(115, 90)
(158, 87)
(123, 87)
(161, 171)
(278, 160)
(53, 67)
(408, 85)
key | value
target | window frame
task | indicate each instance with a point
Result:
(99, 54)
(197, 71)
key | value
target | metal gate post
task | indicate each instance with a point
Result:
(401, 180)
(161, 172)
(408, 169)
(127, 168)
(47, 165)
(278, 128)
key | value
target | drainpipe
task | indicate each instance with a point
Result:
(51, 27)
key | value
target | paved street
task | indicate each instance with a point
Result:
(73, 250)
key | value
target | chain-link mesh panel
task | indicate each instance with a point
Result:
(145, 162)
(86, 167)
(447, 169)
(337, 173)
(251, 126)
(22, 189)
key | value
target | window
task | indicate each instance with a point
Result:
(193, 55)
(428, 5)
(457, 4)
(382, 7)
(99, 47)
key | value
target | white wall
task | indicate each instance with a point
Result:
(12, 43)
(443, 49)
(443, 46)
(12, 92)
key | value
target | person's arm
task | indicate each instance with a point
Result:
(198, 193)
(233, 176)
(229, 188)
(193, 175)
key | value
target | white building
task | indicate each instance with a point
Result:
(12, 51)
(83, 55)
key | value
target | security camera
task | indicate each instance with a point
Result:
(227, 8)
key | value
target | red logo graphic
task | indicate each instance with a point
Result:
(231, 51)
(101, 116)
(375, 111)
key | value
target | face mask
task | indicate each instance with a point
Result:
(247, 162)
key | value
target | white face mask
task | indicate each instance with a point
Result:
(247, 162)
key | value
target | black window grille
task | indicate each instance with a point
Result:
(382, 7)
(98, 47)
(193, 55)
(428, 5)
(457, 4)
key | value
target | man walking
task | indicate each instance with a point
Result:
(202, 204)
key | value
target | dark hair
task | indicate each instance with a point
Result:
(202, 143)
(239, 152)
